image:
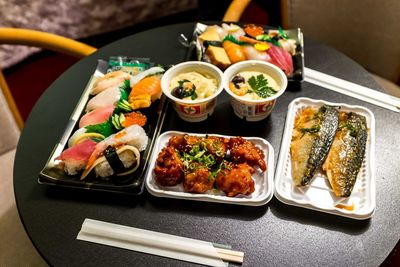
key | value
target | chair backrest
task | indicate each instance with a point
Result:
(9, 132)
(367, 31)
(235, 10)
(42, 40)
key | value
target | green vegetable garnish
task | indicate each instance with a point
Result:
(353, 130)
(193, 96)
(117, 120)
(265, 37)
(124, 94)
(282, 33)
(105, 128)
(259, 84)
(313, 129)
(230, 37)
(123, 106)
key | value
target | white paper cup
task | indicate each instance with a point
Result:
(198, 109)
(249, 109)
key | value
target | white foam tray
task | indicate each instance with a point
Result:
(263, 180)
(319, 195)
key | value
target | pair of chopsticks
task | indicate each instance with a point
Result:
(352, 89)
(157, 243)
(230, 255)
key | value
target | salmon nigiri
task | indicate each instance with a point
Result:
(234, 51)
(150, 85)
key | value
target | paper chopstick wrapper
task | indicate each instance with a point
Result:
(156, 243)
(352, 89)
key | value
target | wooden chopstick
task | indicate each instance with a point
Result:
(230, 255)
(107, 231)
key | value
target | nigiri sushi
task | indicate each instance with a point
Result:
(150, 85)
(252, 53)
(112, 79)
(119, 161)
(281, 58)
(75, 158)
(152, 71)
(81, 135)
(144, 92)
(106, 98)
(96, 116)
(233, 30)
(131, 136)
(234, 51)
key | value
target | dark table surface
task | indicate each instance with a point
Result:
(273, 234)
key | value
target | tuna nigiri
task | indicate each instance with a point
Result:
(281, 58)
(75, 158)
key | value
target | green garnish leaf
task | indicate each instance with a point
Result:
(124, 94)
(265, 37)
(282, 33)
(181, 82)
(126, 86)
(117, 120)
(259, 84)
(105, 128)
(231, 38)
(123, 105)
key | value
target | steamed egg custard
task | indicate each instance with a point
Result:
(253, 85)
(193, 85)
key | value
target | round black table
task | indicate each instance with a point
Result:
(270, 235)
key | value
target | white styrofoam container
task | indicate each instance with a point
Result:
(263, 181)
(319, 195)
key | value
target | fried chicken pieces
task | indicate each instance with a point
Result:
(236, 180)
(205, 163)
(169, 167)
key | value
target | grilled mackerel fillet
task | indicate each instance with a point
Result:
(312, 137)
(347, 153)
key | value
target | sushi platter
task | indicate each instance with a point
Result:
(225, 44)
(68, 163)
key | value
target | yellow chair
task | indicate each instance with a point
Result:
(43, 40)
(235, 10)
